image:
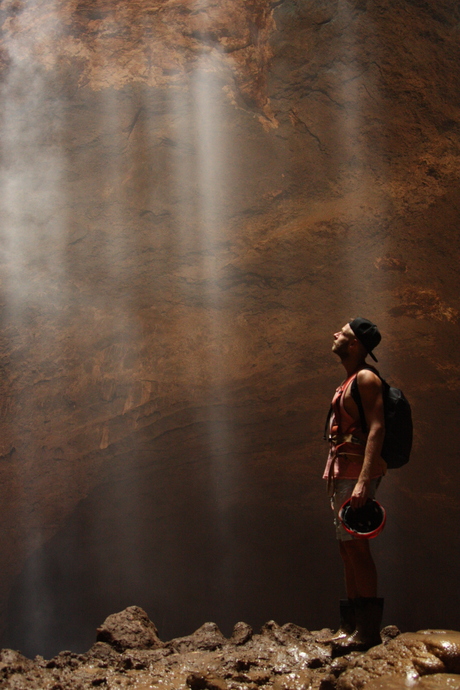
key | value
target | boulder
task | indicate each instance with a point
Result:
(129, 629)
(207, 637)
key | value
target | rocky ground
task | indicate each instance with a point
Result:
(129, 653)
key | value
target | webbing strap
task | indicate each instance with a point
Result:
(326, 426)
(355, 394)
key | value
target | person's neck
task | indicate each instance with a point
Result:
(352, 366)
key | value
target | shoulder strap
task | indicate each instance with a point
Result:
(355, 394)
(331, 411)
(326, 426)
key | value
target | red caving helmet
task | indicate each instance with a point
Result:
(365, 522)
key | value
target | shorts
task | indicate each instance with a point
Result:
(343, 488)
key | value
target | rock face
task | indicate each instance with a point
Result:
(284, 657)
(195, 196)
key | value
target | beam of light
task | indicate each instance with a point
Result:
(364, 175)
(34, 223)
(199, 176)
(40, 293)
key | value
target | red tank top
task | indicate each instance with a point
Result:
(347, 441)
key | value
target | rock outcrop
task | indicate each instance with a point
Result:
(284, 657)
(132, 630)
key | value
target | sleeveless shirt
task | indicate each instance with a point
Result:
(347, 441)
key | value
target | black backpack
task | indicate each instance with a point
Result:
(398, 422)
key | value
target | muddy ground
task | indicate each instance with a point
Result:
(129, 654)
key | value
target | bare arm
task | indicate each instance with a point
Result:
(370, 388)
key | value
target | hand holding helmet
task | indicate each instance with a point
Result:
(365, 522)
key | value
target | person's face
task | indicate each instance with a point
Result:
(342, 340)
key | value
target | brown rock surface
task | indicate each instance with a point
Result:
(438, 681)
(409, 656)
(130, 629)
(195, 195)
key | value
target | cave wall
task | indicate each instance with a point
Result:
(195, 196)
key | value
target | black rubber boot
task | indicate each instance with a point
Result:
(347, 621)
(368, 612)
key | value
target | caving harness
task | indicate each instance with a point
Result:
(397, 413)
(343, 441)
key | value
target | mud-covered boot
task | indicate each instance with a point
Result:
(368, 613)
(347, 621)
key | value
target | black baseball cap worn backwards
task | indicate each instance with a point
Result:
(367, 333)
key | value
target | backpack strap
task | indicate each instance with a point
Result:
(326, 426)
(355, 394)
(326, 435)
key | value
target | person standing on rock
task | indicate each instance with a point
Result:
(353, 471)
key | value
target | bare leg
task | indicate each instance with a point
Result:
(360, 581)
(359, 567)
(361, 584)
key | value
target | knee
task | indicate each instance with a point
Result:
(347, 551)
(356, 548)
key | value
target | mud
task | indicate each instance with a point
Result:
(129, 654)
